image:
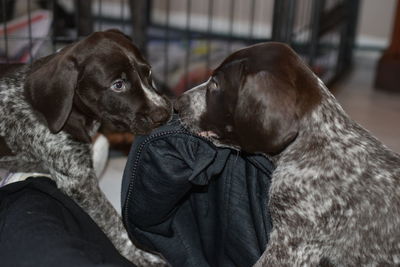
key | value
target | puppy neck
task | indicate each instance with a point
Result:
(328, 134)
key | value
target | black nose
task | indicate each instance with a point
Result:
(160, 115)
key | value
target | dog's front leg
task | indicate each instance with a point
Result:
(286, 249)
(95, 203)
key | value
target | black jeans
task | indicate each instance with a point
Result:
(195, 203)
(40, 226)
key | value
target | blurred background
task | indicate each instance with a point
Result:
(184, 39)
(353, 45)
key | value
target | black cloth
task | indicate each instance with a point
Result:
(197, 204)
(40, 226)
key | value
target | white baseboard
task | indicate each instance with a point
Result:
(371, 41)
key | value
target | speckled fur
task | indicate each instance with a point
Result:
(335, 192)
(69, 163)
(335, 195)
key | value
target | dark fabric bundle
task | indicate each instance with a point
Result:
(197, 204)
(40, 226)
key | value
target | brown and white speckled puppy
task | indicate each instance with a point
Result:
(335, 194)
(48, 112)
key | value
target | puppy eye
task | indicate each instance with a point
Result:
(213, 85)
(119, 85)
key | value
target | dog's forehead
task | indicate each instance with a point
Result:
(112, 41)
(130, 50)
(270, 56)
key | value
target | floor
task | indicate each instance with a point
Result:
(377, 111)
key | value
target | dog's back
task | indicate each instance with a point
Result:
(28, 144)
(335, 192)
(337, 188)
(14, 111)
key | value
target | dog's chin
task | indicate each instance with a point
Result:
(221, 141)
(208, 134)
(213, 137)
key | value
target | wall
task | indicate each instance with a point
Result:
(375, 22)
(374, 28)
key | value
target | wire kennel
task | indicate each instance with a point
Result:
(184, 39)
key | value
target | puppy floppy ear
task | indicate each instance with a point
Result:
(50, 88)
(267, 113)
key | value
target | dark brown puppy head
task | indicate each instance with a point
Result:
(101, 78)
(253, 100)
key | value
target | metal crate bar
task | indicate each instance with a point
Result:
(321, 31)
(4, 19)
